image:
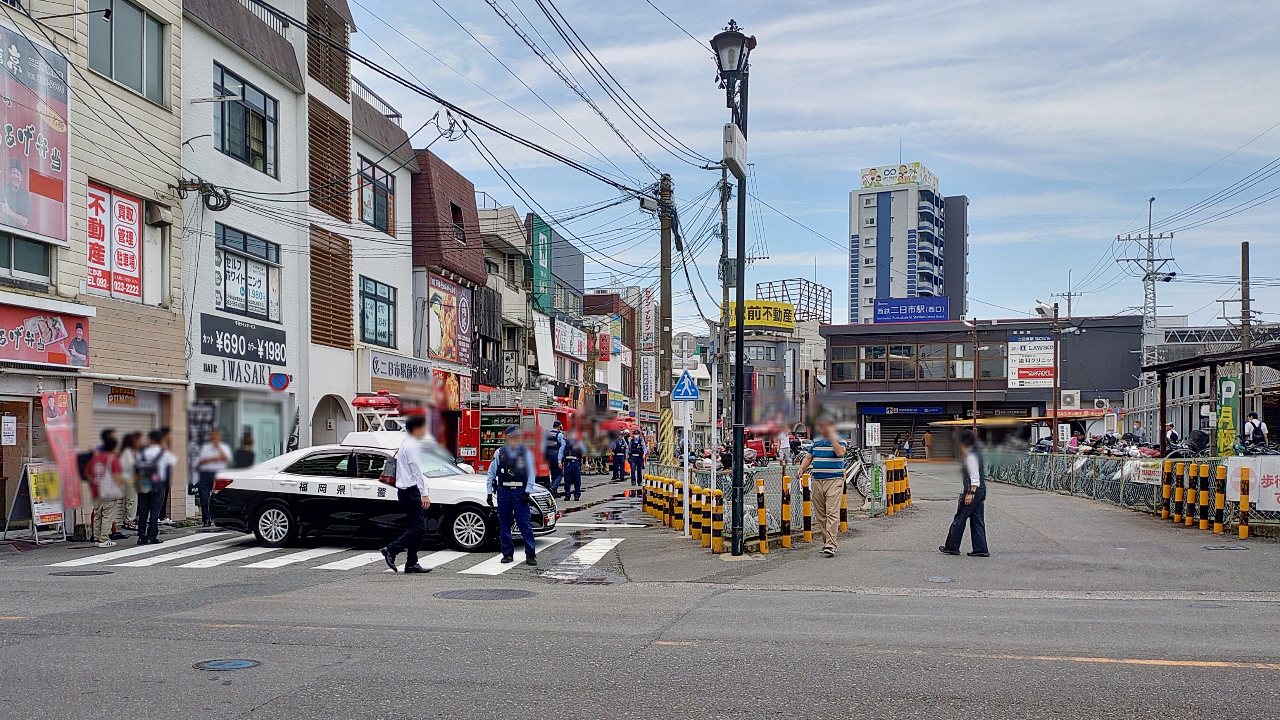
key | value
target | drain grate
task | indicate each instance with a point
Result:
(497, 594)
(1225, 547)
(225, 665)
(939, 579)
(81, 573)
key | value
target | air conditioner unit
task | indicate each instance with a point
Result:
(1101, 403)
(1070, 400)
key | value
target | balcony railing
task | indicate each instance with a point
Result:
(365, 93)
(459, 234)
(272, 20)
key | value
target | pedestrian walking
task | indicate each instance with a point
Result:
(129, 447)
(154, 470)
(213, 458)
(619, 457)
(636, 452)
(104, 474)
(973, 497)
(927, 441)
(553, 453)
(1171, 436)
(512, 477)
(906, 447)
(411, 491)
(825, 462)
(1255, 431)
(574, 453)
(897, 444)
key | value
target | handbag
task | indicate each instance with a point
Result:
(388, 475)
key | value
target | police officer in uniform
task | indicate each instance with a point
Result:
(553, 453)
(637, 452)
(619, 457)
(574, 452)
(513, 475)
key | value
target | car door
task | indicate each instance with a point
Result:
(374, 503)
(319, 485)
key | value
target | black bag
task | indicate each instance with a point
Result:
(147, 470)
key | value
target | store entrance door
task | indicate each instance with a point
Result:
(263, 420)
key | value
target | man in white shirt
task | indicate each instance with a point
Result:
(411, 489)
(154, 469)
(214, 457)
(1255, 431)
(970, 508)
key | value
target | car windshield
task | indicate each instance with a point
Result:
(437, 463)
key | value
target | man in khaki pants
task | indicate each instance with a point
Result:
(826, 462)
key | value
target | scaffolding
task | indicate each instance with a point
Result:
(811, 300)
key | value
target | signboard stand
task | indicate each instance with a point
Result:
(38, 512)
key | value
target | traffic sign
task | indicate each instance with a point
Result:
(685, 390)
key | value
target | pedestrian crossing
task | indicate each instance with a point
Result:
(203, 551)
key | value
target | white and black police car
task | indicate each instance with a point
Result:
(333, 491)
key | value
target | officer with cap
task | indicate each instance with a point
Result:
(574, 452)
(619, 456)
(513, 476)
(553, 453)
(638, 450)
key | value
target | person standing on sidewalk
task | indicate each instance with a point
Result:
(619, 448)
(513, 475)
(104, 475)
(129, 481)
(411, 490)
(154, 470)
(637, 452)
(214, 457)
(574, 453)
(825, 461)
(970, 507)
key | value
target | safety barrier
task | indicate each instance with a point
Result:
(762, 517)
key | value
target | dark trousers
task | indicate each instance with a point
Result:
(573, 480)
(557, 475)
(976, 519)
(204, 491)
(415, 525)
(637, 470)
(619, 461)
(150, 508)
(512, 508)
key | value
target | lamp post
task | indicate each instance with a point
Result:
(732, 49)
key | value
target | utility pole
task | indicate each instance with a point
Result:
(1057, 374)
(726, 192)
(666, 426)
(1246, 331)
(976, 365)
(1069, 295)
(1152, 272)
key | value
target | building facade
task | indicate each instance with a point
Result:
(903, 243)
(506, 258)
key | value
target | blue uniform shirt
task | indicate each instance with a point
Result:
(530, 485)
(826, 464)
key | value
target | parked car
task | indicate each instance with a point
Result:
(333, 491)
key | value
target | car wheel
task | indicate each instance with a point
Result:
(274, 524)
(468, 529)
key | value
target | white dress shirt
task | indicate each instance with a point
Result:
(408, 467)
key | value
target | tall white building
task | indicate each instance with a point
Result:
(906, 242)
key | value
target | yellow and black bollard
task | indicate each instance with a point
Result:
(1189, 497)
(806, 509)
(1204, 496)
(844, 508)
(1219, 499)
(1166, 489)
(646, 494)
(1177, 492)
(761, 517)
(708, 502)
(717, 521)
(677, 512)
(786, 511)
(695, 513)
(1244, 503)
(906, 479)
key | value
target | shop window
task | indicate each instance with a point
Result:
(933, 362)
(377, 197)
(23, 259)
(250, 271)
(992, 360)
(377, 313)
(129, 49)
(245, 121)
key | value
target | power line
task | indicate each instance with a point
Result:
(678, 25)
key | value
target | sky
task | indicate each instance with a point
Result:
(1057, 120)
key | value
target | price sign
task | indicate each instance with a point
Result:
(239, 340)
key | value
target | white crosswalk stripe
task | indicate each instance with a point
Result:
(186, 552)
(225, 558)
(353, 562)
(582, 559)
(495, 566)
(297, 557)
(139, 550)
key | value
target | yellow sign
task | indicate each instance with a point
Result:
(765, 315)
(46, 494)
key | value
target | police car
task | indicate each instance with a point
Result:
(333, 490)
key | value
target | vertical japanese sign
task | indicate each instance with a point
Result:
(114, 234)
(603, 346)
(59, 429)
(648, 322)
(540, 240)
(648, 378)
(1031, 361)
(1228, 413)
(34, 139)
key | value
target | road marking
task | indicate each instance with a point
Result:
(139, 550)
(186, 552)
(229, 557)
(495, 566)
(574, 566)
(600, 525)
(1157, 662)
(297, 557)
(12, 617)
(434, 560)
(353, 562)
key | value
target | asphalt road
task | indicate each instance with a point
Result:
(1083, 611)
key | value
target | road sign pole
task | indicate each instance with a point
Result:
(688, 413)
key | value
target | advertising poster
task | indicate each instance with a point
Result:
(46, 494)
(114, 234)
(34, 199)
(615, 333)
(1228, 413)
(648, 378)
(449, 320)
(1030, 361)
(59, 433)
(39, 336)
(570, 340)
(448, 389)
(765, 314)
(540, 242)
(1264, 481)
(648, 322)
(900, 174)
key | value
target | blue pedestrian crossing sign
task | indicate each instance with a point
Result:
(685, 390)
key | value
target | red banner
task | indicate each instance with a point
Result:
(603, 345)
(59, 434)
(115, 243)
(39, 336)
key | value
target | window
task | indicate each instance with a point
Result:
(130, 48)
(869, 242)
(962, 361)
(868, 202)
(245, 124)
(869, 261)
(322, 464)
(902, 362)
(869, 222)
(872, 362)
(377, 313)
(933, 362)
(23, 259)
(770, 382)
(369, 465)
(250, 271)
(868, 281)
(491, 267)
(992, 360)
(459, 230)
(377, 197)
(771, 353)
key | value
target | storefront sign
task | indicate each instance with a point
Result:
(617, 401)
(540, 240)
(40, 336)
(900, 310)
(59, 434)
(1264, 481)
(398, 367)
(570, 340)
(763, 314)
(122, 397)
(9, 430)
(603, 344)
(114, 234)
(448, 320)
(46, 494)
(648, 378)
(1228, 413)
(903, 410)
(648, 322)
(1031, 361)
(240, 340)
(447, 389)
(1003, 412)
(35, 151)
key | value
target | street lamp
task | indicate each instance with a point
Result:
(1044, 309)
(732, 49)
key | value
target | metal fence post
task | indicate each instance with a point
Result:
(806, 507)
(1244, 503)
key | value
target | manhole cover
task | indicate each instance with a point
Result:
(484, 594)
(81, 573)
(939, 579)
(1225, 547)
(224, 665)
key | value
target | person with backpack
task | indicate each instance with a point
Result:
(619, 448)
(636, 452)
(553, 453)
(1255, 431)
(103, 472)
(153, 469)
